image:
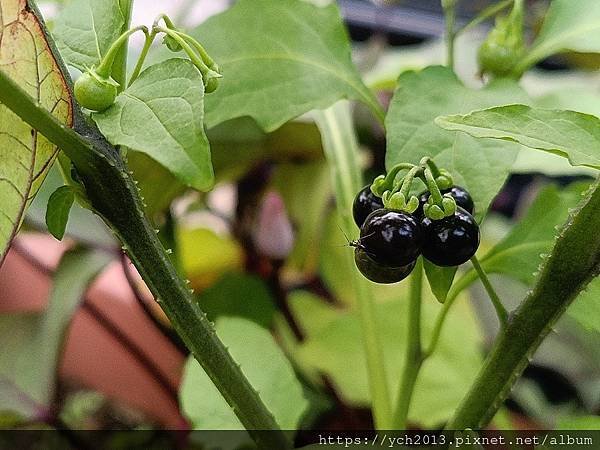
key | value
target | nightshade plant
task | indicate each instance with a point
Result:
(457, 142)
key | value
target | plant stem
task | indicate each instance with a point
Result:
(498, 306)
(574, 261)
(414, 356)
(341, 151)
(115, 198)
(450, 34)
(140, 62)
(119, 69)
(488, 12)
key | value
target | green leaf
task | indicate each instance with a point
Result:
(304, 64)
(573, 135)
(161, 114)
(586, 308)
(85, 30)
(31, 343)
(440, 279)
(239, 295)
(591, 423)
(444, 379)
(25, 155)
(518, 254)
(479, 166)
(265, 366)
(57, 212)
(568, 26)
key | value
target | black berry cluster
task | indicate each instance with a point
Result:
(391, 241)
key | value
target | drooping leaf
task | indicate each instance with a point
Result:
(479, 166)
(568, 26)
(279, 59)
(85, 30)
(586, 308)
(161, 114)
(440, 279)
(25, 155)
(444, 379)
(31, 343)
(265, 366)
(57, 212)
(573, 135)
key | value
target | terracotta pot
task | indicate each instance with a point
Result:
(112, 345)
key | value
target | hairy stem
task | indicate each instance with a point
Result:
(341, 152)
(115, 198)
(574, 261)
(414, 356)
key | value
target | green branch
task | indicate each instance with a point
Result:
(414, 355)
(341, 152)
(114, 196)
(574, 261)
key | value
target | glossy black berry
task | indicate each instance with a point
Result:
(364, 204)
(379, 273)
(450, 241)
(460, 195)
(391, 238)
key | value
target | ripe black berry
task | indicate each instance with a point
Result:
(364, 204)
(391, 238)
(378, 272)
(460, 195)
(452, 240)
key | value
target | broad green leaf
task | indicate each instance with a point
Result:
(518, 254)
(31, 343)
(265, 366)
(479, 166)
(25, 156)
(239, 295)
(568, 26)
(586, 308)
(57, 212)
(85, 30)
(161, 114)
(335, 347)
(573, 135)
(279, 59)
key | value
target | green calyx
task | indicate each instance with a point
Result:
(504, 46)
(396, 193)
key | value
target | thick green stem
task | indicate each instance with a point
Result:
(115, 198)
(574, 261)
(119, 69)
(498, 306)
(341, 151)
(414, 356)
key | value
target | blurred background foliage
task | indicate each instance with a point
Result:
(299, 312)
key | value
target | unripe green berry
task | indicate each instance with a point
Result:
(211, 85)
(95, 93)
